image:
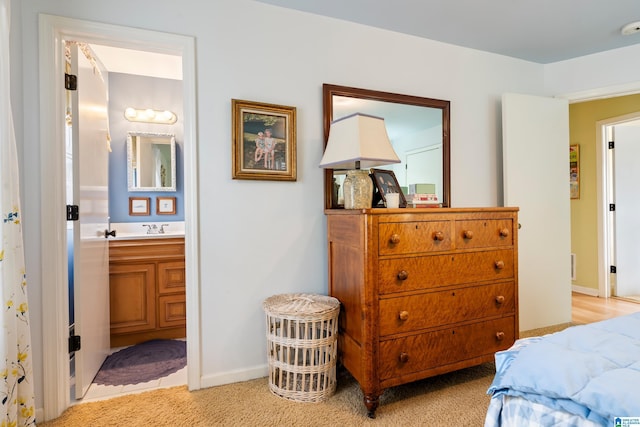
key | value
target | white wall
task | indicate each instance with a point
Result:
(613, 72)
(269, 237)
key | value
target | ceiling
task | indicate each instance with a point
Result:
(130, 61)
(541, 31)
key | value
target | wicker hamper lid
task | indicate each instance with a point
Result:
(300, 304)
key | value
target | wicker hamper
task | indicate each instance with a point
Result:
(302, 331)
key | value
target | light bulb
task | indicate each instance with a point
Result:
(130, 113)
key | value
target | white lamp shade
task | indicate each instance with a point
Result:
(358, 137)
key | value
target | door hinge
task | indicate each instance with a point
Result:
(612, 207)
(613, 269)
(73, 213)
(70, 82)
(74, 343)
(611, 145)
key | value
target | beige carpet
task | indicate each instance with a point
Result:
(458, 398)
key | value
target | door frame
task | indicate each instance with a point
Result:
(604, 287)
(55, 328)
(604, 196)
(437, 146)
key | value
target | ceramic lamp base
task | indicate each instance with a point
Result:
(357, 189)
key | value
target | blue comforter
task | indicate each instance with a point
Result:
(590, 370)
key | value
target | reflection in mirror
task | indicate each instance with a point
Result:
(151, 162)
(418, 129)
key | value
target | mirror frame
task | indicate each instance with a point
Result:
(130, 180)
(330, 90)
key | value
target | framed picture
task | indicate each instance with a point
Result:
(264, 141)
(574, 171)
(385, 182)
(139, 206)
(165, 205)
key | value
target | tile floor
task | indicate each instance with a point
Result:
(101, 392)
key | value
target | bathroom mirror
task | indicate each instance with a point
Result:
(418, 129)
(151, 162)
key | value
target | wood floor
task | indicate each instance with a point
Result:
(588, 309)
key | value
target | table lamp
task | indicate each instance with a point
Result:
(358, 142)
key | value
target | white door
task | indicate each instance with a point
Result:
(417, 173)
(90, 247)
(536, 179)
(626, 175)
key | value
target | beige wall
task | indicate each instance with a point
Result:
(584, 216)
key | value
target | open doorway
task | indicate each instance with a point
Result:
(54, 30)
(116, 304)
(619, 148)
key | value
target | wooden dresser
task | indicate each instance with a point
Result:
(146, 290)
(423, 291)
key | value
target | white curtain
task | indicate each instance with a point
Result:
(16, 374)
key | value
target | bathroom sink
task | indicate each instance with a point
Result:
(125, 236)
(140, 230)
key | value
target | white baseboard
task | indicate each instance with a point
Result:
(234, 376)
(584, 290)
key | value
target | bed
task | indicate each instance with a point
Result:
(587, 375)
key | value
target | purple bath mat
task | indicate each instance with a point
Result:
(143, 362)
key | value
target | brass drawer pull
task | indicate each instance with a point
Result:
(403, 275)
(500, 336)
(438, 235)
(499, 265)
(403, 315)
(404, 357)
(500, 299)
(468, 234)
(395, 238)
(504, 232)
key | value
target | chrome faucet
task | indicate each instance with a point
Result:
(151, 228)
(161, 231)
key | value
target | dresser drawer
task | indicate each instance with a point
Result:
(414, 312)
(421, 352)
(414, 237)
(483, 233)
(413, 273)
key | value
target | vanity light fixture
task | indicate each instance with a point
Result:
(358, 142)
(150, 116)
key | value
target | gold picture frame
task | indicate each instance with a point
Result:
(574, 171)
(264, 141)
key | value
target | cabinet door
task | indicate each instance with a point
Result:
(171, 277)
(132, 297)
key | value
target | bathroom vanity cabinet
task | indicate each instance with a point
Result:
(146, 290)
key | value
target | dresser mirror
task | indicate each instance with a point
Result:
(151, 162)
(418, 129)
